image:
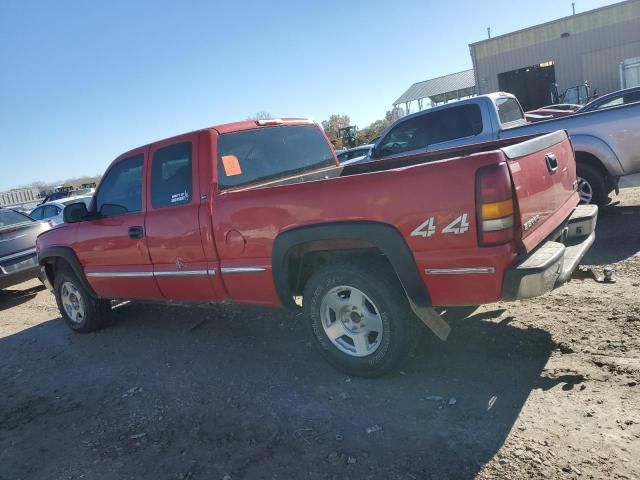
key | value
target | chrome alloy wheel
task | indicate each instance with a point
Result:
(351, 321)
(584, 190)
(72, 302)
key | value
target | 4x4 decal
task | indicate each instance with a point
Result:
(428, 227)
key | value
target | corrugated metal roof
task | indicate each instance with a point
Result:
(438, 86)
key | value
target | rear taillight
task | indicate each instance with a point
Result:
(494, 204)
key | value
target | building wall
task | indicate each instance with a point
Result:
(19, 196)
(598, 41)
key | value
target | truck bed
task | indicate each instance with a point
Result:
(404, 193)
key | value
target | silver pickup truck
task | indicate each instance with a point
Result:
(606, 141)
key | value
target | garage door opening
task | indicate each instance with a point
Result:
(532, 85)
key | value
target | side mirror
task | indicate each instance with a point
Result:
(75, 212)
(373, 153)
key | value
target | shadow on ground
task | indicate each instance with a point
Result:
(617, 235)
(169, 392)
(10, 298)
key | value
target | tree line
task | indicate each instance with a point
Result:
(336, 121)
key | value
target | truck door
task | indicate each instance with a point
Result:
(112, 247)
(182, 268)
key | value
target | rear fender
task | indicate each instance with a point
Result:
(600, 150)
(384, 237)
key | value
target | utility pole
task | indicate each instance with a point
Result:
(573, 7)
(488, 32)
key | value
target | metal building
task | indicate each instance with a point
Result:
(586, 47)
(438, 90)
(20, 196)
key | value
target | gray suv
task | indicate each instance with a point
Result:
(18, 261)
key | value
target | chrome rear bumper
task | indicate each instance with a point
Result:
(553, 262)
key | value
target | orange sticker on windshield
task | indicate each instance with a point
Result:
(231, 165)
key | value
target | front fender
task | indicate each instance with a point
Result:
(49, 254)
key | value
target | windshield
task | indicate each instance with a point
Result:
(261, 154)
(9, 218)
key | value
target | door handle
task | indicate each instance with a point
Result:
(552, 162)
(136, 232)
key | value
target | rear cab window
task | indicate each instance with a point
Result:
(509, 110)
(251, 156)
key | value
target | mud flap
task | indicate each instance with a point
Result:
(432, 320)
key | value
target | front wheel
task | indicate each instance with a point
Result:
(359, 319)
(80, 311)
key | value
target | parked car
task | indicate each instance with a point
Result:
(606, 141)
(614, 99)
(18, 260)
(52, 197)
(370, 248)
(52, 212)
(355, 154)
(80, 192)
(551, 111)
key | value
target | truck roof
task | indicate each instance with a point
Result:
(491, 96)
(228, 128)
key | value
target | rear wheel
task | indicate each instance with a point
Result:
(80, 311)
(359, 319)
(591, 185)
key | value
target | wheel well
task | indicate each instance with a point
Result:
(593, 161)
(306, 258)
(54, 264)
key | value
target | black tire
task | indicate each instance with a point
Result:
(95, 312)
(400, 328)
(595, 181)
(456, 313)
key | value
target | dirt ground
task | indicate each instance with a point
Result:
(546, 388)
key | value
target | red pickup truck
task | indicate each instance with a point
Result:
(261, 212)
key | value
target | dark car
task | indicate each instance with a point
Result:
(621, 97)
(18, 260)
(52, 197)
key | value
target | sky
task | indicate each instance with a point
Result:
(83, 81)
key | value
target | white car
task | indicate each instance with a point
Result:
(51, 212)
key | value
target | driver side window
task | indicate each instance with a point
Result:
(406, 136)
(120, 191)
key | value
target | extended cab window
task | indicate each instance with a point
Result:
(251, 156)
(454, 122)
(171, 176)
(120, 191)
(509, 110)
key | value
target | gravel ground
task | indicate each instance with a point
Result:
(546, 388)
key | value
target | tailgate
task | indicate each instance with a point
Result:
(543, 171)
